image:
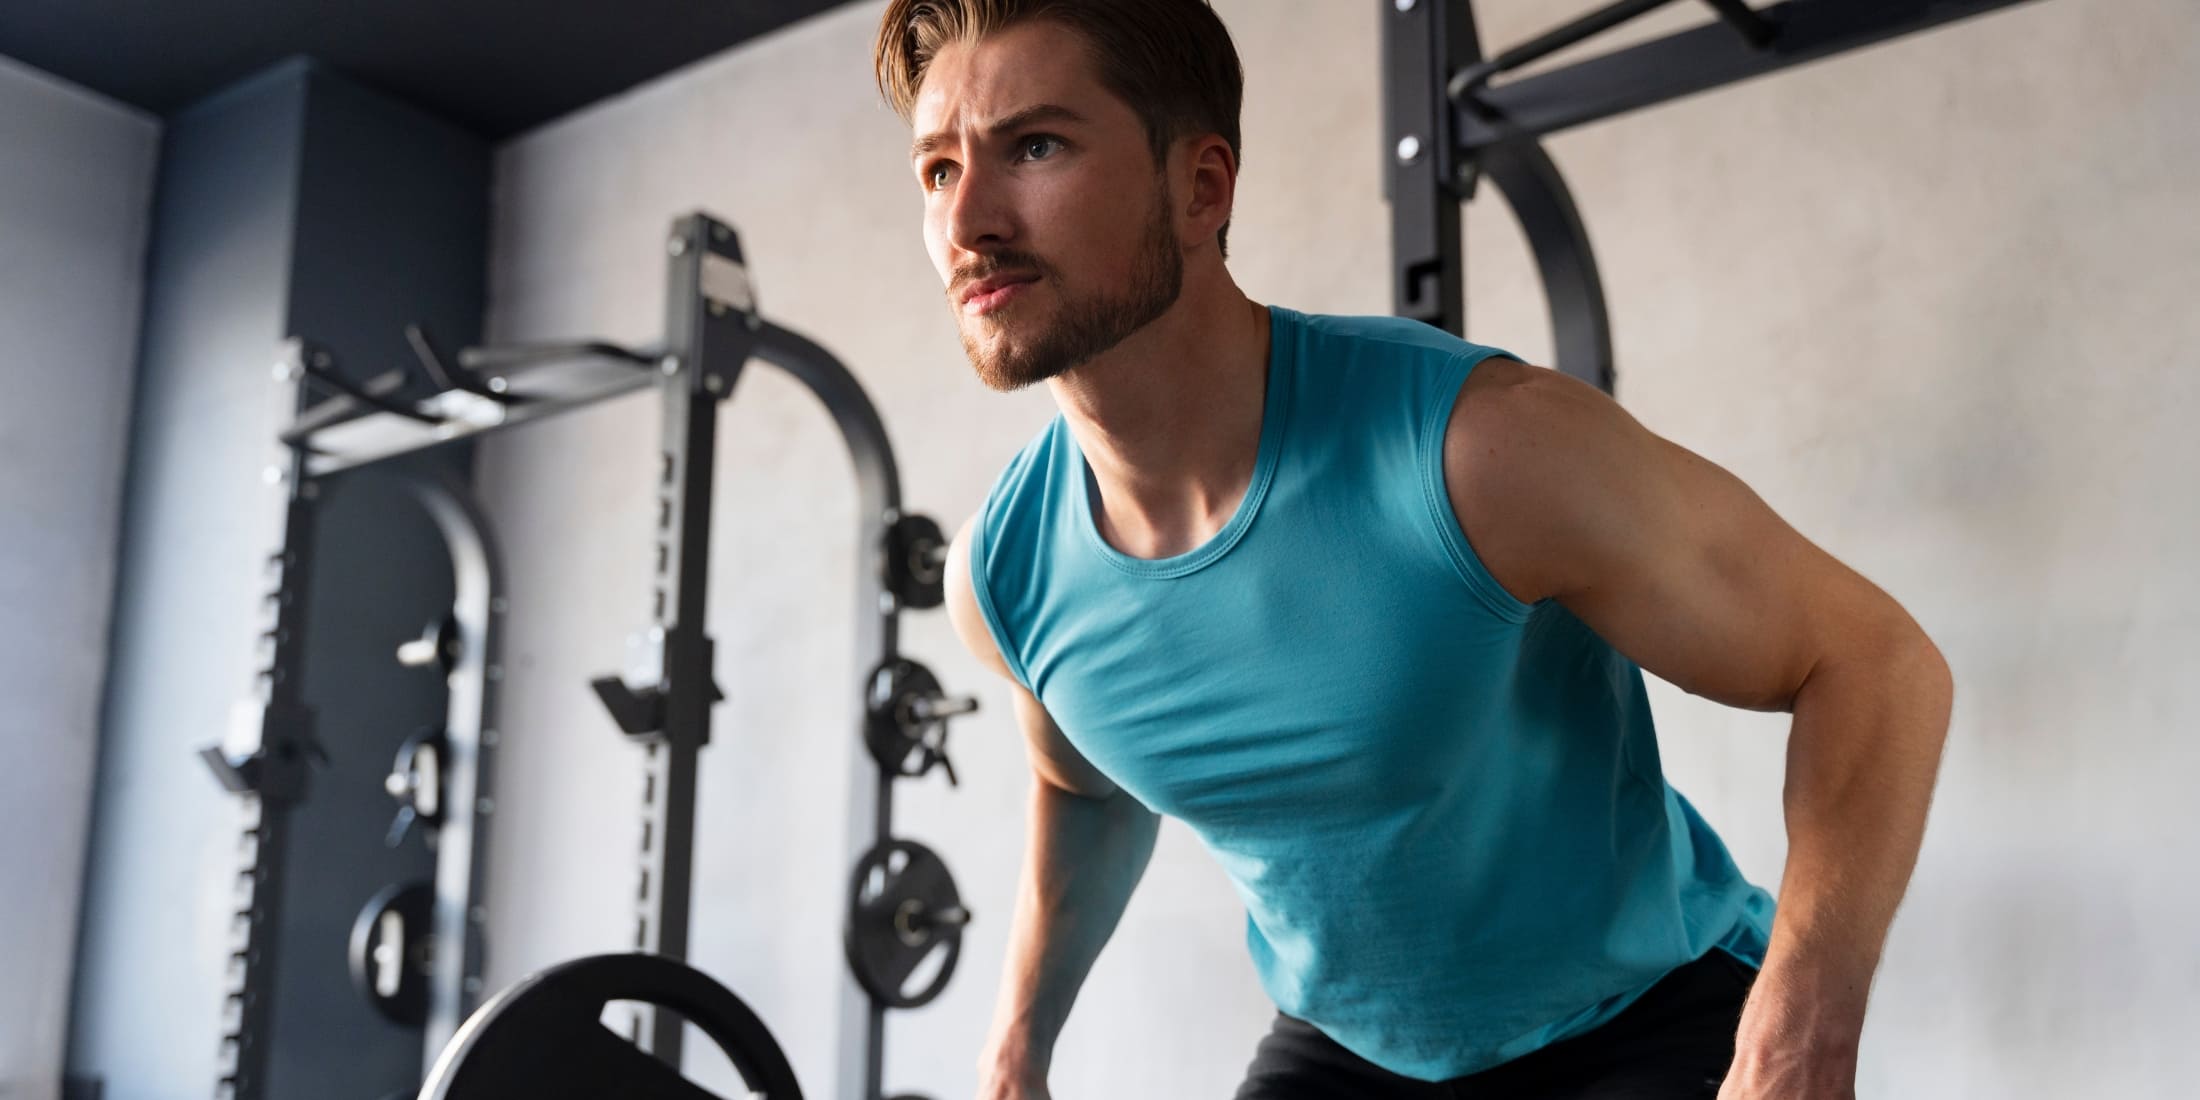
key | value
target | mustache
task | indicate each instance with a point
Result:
(998, 263)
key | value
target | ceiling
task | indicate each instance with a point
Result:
(496, 67)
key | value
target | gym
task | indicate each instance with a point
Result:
(511, 584)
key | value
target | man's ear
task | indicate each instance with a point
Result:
(1210, 178)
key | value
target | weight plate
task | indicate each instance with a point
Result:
(891, 729)
(916, 560)
(903, 910)
(544, 1039)
(390, 951)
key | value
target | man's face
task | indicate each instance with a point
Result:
(1044, 211)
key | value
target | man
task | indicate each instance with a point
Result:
(1363, 605)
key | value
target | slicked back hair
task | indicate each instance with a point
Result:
(1172, 61)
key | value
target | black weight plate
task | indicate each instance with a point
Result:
(389, 951)
(543, 1039)
(915, 565)
(887, 937)
(894, 736)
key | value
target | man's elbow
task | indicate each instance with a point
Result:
(1914, 665)
(1894, 659)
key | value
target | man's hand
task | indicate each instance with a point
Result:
(1000, 1079)
(998, 1089)
(1790, 1075)
(1799, 1031)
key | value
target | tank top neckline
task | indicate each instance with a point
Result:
(1275, 409)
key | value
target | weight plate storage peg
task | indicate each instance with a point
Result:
(903, 910)
(392, 951)
(416, 782)
(439, 645)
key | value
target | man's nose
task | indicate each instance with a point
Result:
(978, 217)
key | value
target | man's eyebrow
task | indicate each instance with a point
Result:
(1044, 112)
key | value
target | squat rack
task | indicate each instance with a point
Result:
(663, 700)
(1446, 125)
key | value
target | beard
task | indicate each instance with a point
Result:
(1086, 325)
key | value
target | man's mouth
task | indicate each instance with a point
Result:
(994, 292)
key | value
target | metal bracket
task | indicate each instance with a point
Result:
(276, 770)
(1755, 29)
(640, 712)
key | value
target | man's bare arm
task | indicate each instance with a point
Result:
(1682, 568)
(1087, 845)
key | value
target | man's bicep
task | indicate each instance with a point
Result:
(1692, 576)
(1052, 757)
(1666, 556)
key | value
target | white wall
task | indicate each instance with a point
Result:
(76, 177)
(1932, 300)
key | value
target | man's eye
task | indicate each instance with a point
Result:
(1041, 147)
(937, 177)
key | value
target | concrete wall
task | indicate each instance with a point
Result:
(1932, 300)
(76, 187)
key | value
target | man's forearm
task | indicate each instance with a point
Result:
(1083, 858)
(1862, 758)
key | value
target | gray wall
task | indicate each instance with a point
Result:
(76, 185)
(1931, 300)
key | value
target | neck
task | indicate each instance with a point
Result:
(1170, 419)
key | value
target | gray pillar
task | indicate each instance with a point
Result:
(295, 204)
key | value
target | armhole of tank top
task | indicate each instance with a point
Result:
(1436, 423)
(980, 540)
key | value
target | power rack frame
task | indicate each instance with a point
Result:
(663, 701)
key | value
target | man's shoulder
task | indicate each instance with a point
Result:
(1401, 339)
(1036, 456)
(1020, 492)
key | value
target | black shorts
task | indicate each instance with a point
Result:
(1674, 1042)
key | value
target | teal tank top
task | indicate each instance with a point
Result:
(1442, 807)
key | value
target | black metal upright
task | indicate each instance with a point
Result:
(712, 327)
(709, 311)
(1424, 178)
(266, 761)
(862, 1053)
(478, 608)
(1432, 51)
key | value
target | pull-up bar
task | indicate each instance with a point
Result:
(1756, 30)
(1447, 125)
(1683, 63)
